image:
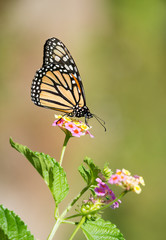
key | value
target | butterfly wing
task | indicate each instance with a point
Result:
(55, 88)
(56, 53)
(57, 85)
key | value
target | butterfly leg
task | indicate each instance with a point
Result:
(86, 122)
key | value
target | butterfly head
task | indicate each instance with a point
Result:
(85, 112)
(81, 112)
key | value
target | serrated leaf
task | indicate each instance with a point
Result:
(101, 230)
(85, 173)
(12, 227)
(89, 175)
(93, 168)
(50, 170)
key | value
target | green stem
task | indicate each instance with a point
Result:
(61, 218)
(120, 196)
(51, 235)
(56, 212)
(69, 222)
(77, 228)
(73, 216)
(74, 201)
(64, 148)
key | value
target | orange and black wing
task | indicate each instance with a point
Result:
(57, 85)
(55, 88)
(56, 54)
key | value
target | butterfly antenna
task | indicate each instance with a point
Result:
(99, 118)
(100, 121)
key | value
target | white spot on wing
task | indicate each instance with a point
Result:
(64, 59)
(71, 67)
(67, 67)
(57, 58)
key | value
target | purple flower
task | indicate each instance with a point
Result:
(102, 189)
(116, 204)
(105, 193)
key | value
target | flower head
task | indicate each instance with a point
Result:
(72, 127)
(106, 194)
(102, 189)
(114, 179)
(124, 179)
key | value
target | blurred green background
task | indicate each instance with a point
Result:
(120, 50)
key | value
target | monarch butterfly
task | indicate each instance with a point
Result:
(57, 85)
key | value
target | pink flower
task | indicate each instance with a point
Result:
(124, 179)
(114, 179)
(72, 127)
(77, 132)
(58, 122)
(87, 132)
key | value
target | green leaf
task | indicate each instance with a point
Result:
(50, 170)
(84, 173)
(89, 175)
(101, 230)
(12, 227)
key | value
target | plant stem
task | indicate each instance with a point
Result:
(64, 148)
(78, 227)
(74, 201)
(69, 222)
(120, 196)
(51, 235)
(56, 212)
(73, 216)
(61, 218)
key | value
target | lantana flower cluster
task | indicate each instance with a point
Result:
(124, 179)
(72, 127)
(106, 194)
